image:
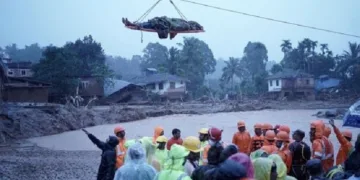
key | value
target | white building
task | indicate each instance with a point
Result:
(163, 84)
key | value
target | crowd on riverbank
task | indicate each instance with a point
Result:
(269, 154)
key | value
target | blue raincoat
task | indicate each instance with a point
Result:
(135, 167)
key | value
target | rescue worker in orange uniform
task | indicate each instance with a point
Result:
(327, 131)
(284, 128)
(344, 139)
(257, 141)
(282, 142)
(242, 139)
(159, 131)
(266, 127)
(321, 146)
(214, 139)
(269, 142)
(120, 148)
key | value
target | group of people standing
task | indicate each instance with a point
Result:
(268, 155)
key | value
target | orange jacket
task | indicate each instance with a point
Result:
(286, 156)
(345, 147)
(321, 146)
(120, 153)
(243, 141)
(256, 142)
(158, 130)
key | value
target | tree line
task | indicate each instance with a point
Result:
(308, 56)
(192, 59)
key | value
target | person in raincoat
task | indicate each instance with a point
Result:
(269, 143)
(265, 169)
(282, 142)
(214, 154)
(257, 141)
(321, 146)
(344, 139)
(257, 154)
(280, 167)
(352, 164)
(108, 156)
(161, 154)
(266, 127)
(242, 138)
(301, 153)
(192, 144)
(135, 167)
(228, 170)
(174, 166)
(176, 139)
(120, 148)
(315, 169)
(244, 160)
(214, 139)
(204, 138)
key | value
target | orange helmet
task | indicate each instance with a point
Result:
(327, 131)
(118, 129)
(283, 136)
(241, 124)
(267, 126)
(258, 125)
(270, 135)
(347, 133)
(284, 128)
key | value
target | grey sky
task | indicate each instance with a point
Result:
(57, 21)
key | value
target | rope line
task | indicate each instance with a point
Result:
(178, 10)
(271, 19)
(142, 17)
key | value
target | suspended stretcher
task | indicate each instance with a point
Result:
(164, 26)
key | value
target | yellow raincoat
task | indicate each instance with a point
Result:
(160, 158)
(262, 168)
(174, 168)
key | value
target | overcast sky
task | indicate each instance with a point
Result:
(57, 21)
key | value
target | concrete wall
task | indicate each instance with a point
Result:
(166, 86)
(274, 85)
(26, 94)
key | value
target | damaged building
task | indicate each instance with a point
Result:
(120, 91)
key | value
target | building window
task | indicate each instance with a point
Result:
(23, 72)
(10, 73)
(307, 81)
(270, 83)
(85, 84)
(277, 82)
(172, 85)
(161, 86)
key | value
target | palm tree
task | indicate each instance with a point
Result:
(350, 58)
(286, 46)
(324, 48)
(231, 70)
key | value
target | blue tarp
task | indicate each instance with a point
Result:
(352, 117)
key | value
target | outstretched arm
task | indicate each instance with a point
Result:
(342, 140)
(96, 141)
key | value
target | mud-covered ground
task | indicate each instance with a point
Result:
(42, 164)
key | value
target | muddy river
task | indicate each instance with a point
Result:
(189, 125)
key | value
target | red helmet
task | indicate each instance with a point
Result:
(215, 134)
